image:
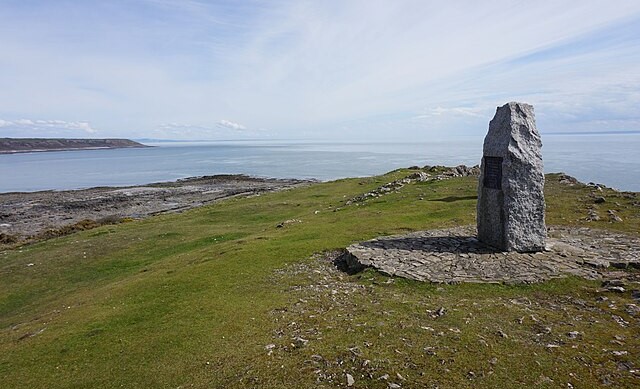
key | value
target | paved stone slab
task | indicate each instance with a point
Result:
(455, 255)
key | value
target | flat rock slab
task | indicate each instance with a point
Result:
(455, 255)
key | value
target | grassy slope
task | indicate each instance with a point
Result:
(191, 300)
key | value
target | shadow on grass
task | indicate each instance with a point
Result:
(452, 199)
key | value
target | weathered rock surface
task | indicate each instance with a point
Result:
(454, 255)
(510, 191)
(32, 215)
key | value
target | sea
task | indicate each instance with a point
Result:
(609, 159)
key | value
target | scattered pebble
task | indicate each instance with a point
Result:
(616, 289)
(350, 380)
(300, 342)
(632, 310)
(440, 312)
(620, 321)
(613, 216)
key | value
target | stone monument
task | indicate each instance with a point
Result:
(510, 190)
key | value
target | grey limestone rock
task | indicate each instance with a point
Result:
(510, 189)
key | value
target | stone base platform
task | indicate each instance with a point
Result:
(455, 255)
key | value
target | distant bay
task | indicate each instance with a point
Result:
(610, 159)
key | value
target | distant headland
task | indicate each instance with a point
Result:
(30, 145)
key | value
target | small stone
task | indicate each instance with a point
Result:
(619, 353)
(300, 342)
(493, 361)
(607, 283)
(613, 216)
(599, 200)
(419, 176)
(592, 216)
(632, 310)
(574, 334)
(544, 380)
(440, 312)
(400, 377)
(621, 322)
(503, 334)
(384, 377)
(616, 289)
(429, 350)
(394, 386)
(350, 380)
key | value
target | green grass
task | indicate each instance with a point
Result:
(192, 300)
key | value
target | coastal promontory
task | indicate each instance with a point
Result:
(28, 145)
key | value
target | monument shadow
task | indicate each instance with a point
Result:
(435, 244)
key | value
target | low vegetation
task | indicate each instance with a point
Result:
(242, 293)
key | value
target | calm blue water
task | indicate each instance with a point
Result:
(613, 160)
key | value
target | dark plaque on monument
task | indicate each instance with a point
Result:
(493, 172)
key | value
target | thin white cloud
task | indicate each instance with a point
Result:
(309, 67)
(222, 130)
(453, 111)
(45, 127)
(232, 125)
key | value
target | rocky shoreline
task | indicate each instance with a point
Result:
(33, 216)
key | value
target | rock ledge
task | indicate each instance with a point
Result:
(455, 255)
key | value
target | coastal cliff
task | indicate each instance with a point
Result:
(27, 145)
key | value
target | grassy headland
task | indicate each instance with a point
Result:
(28, 145)
(220, 296)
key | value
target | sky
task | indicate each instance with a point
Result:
(331, 70)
